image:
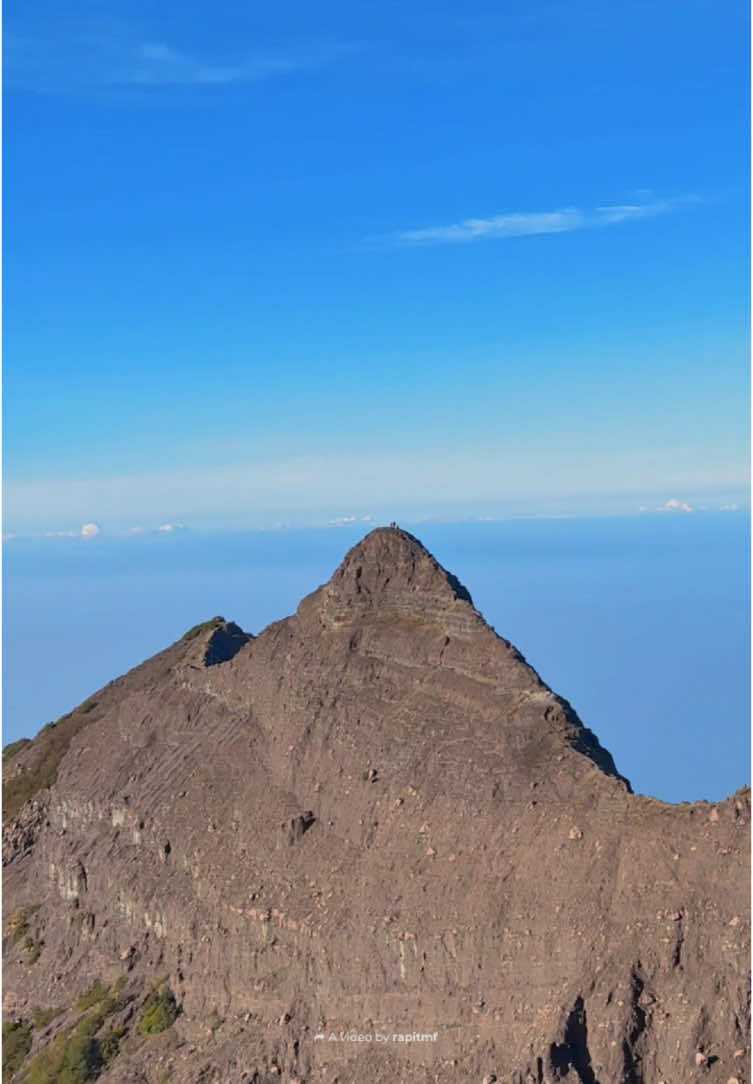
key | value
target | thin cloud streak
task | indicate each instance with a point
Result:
(527, 224)
(161, 65)
(109, 55)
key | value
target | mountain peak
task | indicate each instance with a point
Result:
(398, 554)
(391, 572)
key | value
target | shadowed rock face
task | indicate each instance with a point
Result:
(373, 818)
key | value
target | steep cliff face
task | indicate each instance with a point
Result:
(370, 845)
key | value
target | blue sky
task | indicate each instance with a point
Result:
(289, 263)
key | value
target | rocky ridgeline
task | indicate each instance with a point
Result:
(367, 845)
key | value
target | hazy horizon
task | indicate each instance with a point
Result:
(641, 622)
(562, 506)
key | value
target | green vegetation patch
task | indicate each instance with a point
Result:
(42, 1018)
(82, 1056)
(109, 999)
(205, 626)
(20, 921)
(215, 1021)
(45, 753)
(78, 1054)
(14, 747)
(109, 1044)
(16, 1045)
(93, 996)
(32, 947)
(73, 1057)
(160, 1011)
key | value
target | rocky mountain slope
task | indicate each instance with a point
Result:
(368, 845)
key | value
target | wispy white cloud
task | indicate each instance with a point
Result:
(164, 528)
(529, 223)
(159, 64)
(509, 225)
(90, 530)
(112, 54)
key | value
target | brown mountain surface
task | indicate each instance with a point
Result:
(371, 823)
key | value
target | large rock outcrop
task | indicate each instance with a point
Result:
(367, 845)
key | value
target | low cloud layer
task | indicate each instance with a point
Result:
(673, 505)
(347, 521)
(88, 530)
(430, 480)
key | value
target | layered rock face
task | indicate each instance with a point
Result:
(371, 845)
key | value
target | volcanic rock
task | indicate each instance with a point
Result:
(367, 845)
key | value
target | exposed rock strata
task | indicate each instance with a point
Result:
(375, 818)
